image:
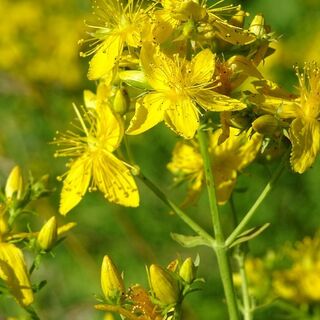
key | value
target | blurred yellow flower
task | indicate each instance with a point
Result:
(95, 165)
(300, 282)
(228, 158)
(32, 50)
(179, 86)
(117, 25)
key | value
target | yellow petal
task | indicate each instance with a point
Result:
(305, 139)
(186, 159)
(75, 184)
(212, 101)
(104, 59)
(149, 112)
(114, 180)
(202, 67)
(89, 99)
(231, 156)
(109, 127)
(232, 34)
(158, 67)
(183, 118)
(14, 272)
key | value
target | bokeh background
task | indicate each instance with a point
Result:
(41, 74)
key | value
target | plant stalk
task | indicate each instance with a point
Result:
(220, 248)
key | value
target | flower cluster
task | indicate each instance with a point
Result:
(168, 287)
(191, 65)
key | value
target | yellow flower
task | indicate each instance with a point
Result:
(179, 87)
(95, 166)
(229, 157)
(300, 282)
(305, 128)
(13, 272)
(118, 25)
(304, 131)
(208, 22)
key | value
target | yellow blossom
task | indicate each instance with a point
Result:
(300, 282)
(304, 131)
(117, 25)
(179, 86)
(206, 21)
(95, 166)
(13, 271)
(228, 158)
(305, 128)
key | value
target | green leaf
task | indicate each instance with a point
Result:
(190, 241)
(249, 234)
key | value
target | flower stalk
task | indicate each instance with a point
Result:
(220, 248)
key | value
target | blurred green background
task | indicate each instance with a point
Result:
(41, 74)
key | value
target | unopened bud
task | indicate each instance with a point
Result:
(164, 285)
(172, 266)
(47, 236)
(188, 270)
(257, 25)
(188, 28)
(266, 125)
(134, 78)
(111, 281)
(121, 101)
(14, 184)
(237, 19)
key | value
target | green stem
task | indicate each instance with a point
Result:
(178, 312)
(246, 219)
(220, 249)
(247, 310)
(182, 215)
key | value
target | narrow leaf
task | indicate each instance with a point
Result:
(249, 234)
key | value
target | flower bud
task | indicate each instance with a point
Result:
(257, 26)
(164, 285)
(121, 101)
(237, 19)
(188, 271)
(47, 236)
(111, 282)
(134, 78)
(266, 125)
(14, 184)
